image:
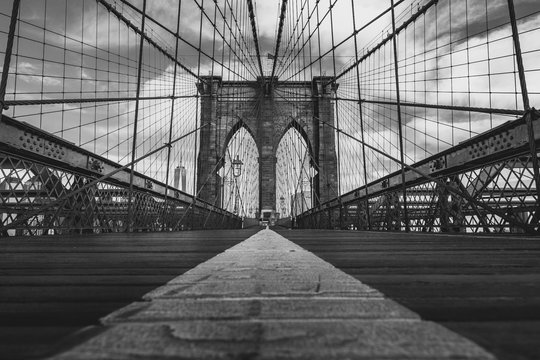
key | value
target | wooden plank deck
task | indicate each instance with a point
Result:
(268, 298)
(52, 287)
(484, 288)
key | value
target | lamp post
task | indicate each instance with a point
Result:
(237, 171)
(237, 166)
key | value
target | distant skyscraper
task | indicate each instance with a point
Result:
(180, 177)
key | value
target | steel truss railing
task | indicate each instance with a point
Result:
(55, 187)
(486, 184)
(59, 185)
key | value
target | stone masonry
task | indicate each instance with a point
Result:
(261, 108)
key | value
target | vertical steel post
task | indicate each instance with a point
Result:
(361, 118)
(7, 56)
(526, 105)
(134, 144)
(398, 100)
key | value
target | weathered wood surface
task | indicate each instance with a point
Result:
(268, 298)
(486, 288)
(52, 287)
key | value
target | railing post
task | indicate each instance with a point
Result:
(398, 100)
(134, 143)
(7, 56)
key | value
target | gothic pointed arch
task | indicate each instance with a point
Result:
(239, 124)
(266, 116)
(295, 124)
(294, 172)
(240, 186)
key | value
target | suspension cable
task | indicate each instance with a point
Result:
(278, 39)
(255, 37)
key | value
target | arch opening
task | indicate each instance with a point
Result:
(294, 174)
(240, 189)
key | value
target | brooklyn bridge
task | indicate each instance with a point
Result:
(233, 179)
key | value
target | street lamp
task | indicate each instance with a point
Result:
(237, 166)
(237, 171)
(282, 205)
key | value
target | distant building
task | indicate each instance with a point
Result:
(180, 178)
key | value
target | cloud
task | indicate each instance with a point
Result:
(442, 62)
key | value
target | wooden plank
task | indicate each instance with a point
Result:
(53, 286)
(485, 288)
(269, 298)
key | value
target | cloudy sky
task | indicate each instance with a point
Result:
(79, 49)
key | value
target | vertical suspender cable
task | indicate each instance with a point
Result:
(335, 95)
(134, 144)
(197, 121)
(169, 149)
(396, 77)
(212, 81)
(368, 219)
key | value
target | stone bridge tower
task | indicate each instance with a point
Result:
(262, 109)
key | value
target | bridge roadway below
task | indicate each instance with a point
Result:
(485, 288)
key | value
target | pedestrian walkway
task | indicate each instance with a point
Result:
(268, 298)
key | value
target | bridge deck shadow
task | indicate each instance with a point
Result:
(485, 288)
